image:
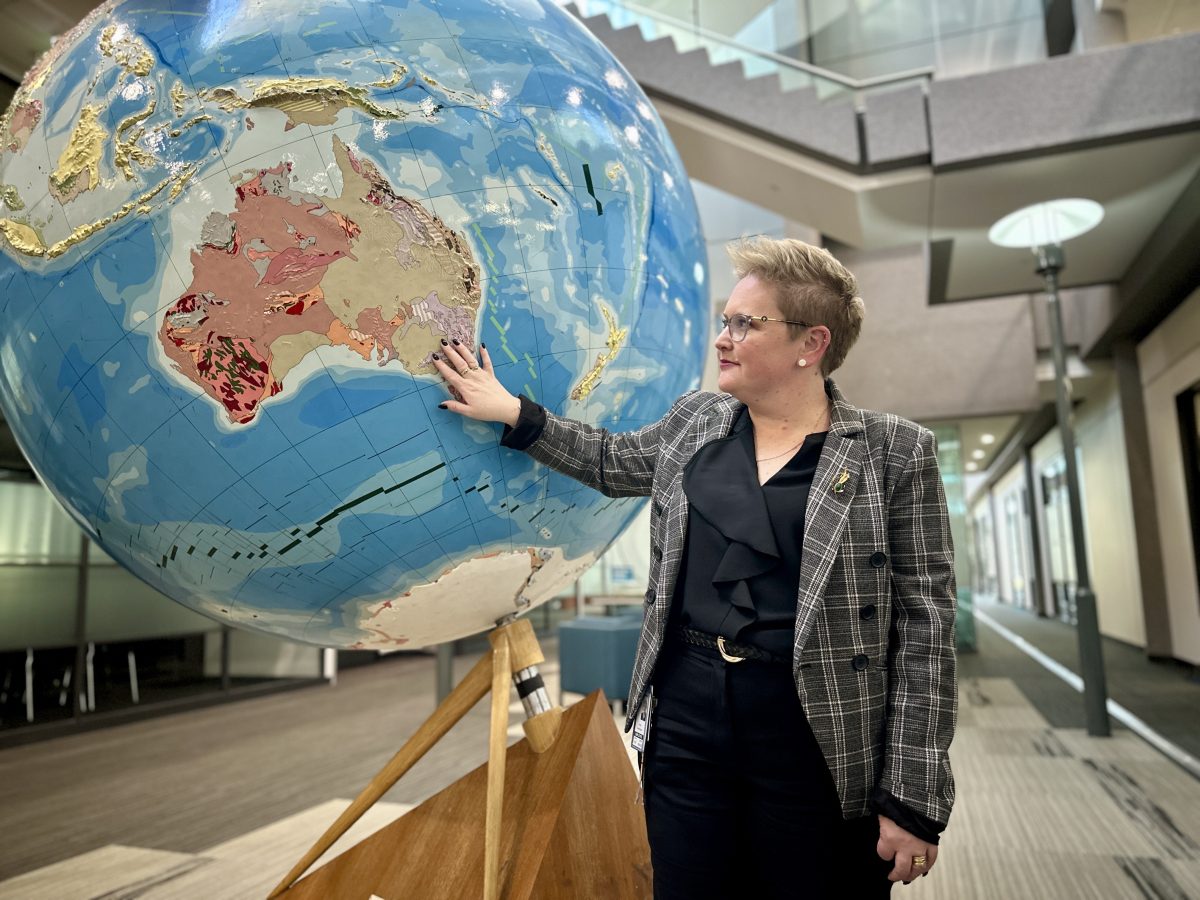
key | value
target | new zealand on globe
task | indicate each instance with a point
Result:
(232, 236)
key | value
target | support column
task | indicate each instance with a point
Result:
(445, 670)
(1151, 567)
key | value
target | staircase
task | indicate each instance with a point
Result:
(822, 114)
(909, 160)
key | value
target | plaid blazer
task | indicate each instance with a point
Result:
(878, 686)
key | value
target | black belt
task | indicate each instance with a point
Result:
(730, 650)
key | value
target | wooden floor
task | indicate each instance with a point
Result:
(218, 803)
(189, 781)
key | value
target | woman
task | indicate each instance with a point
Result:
(796, 668)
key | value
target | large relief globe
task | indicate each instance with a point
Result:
(233, 235)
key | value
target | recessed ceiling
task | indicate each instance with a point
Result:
(1136, 183)
(972, 433)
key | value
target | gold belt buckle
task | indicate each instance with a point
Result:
(725, 656)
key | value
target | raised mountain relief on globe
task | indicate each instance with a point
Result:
(287, 272)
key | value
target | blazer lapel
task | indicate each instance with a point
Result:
(833, 489)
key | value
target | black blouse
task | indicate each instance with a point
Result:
(741, 568)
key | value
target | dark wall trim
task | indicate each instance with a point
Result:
(1185, 407)
(1165, 271)
(937, 265)
(1059, 17)
(1156, 613)
(1040, 590)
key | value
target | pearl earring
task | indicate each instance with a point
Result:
(803, 363)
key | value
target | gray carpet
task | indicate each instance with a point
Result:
(218, 803)
(1163, 693)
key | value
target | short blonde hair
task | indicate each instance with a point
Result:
(810, 285)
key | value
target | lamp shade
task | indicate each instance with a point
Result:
(1042, 224)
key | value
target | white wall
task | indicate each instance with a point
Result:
(1107, 509)
(39, 565)
(39, 568)
(34, 529)
(1112, 545)
(253, 655)
(1170, 363)
(1005, 565)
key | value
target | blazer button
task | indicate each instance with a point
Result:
(860, 662)
(878, 558)
(867, 612)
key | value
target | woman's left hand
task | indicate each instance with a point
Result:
(903, 847)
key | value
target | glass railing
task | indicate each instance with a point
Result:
(689, 34)
(866, 40)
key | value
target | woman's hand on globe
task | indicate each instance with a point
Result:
(477, 392)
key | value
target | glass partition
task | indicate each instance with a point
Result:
(80, 636)
(951, 465)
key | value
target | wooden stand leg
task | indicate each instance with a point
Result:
(572, 829)
(497, 742)
(514, 649)
(468, 692)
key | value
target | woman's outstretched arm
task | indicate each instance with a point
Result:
(616, 464)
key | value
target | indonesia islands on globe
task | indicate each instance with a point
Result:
(233, 235)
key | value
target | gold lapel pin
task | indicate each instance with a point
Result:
(840, 484)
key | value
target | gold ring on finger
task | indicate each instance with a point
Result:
(919, 862)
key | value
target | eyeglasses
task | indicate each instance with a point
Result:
(739, 325)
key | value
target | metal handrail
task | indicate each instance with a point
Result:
(925, 73)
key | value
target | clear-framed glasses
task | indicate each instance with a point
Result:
(739, 324)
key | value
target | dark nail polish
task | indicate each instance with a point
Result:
(484, 346)
(441, 406)
(444, 344)
(435, 356)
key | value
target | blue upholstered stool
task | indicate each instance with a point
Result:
(598, 652)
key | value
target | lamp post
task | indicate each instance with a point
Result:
(1043, 228)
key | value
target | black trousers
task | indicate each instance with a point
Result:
(739, 800)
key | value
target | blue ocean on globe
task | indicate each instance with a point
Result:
(234, 233)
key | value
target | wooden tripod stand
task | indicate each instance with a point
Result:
(570, 806)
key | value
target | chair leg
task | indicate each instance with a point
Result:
(133, 679)
(91, 677)
(28, 684)
(65, 689)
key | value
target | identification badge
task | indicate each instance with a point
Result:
(641, 725)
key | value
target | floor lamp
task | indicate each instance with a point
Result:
(1044, 228)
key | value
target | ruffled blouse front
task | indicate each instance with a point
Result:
(741, 567)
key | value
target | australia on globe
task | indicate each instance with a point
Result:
(232, 237)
